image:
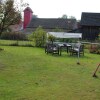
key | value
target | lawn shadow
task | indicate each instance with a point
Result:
(64, 55)
(2, 66)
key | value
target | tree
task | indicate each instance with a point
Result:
(9, 15)
(64, 16)
(35, 16)
(39, 37)
(51, 38)
(72, 17)
(23, 5)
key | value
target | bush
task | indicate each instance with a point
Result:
(51, 38)
(39, 37)
(13, 36)
(95, 48)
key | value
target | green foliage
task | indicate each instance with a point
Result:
(94, 48)
(30, 37)
(13, 36)
(64, 16)
(10, 15)
(72, 17)
(51, 38)
(39, 37)
(68, 40)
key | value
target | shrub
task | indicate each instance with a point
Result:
(39, 37)
(95, 48)
(51, 38)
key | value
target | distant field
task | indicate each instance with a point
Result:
(27, 73)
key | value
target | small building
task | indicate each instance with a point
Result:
(90, 25)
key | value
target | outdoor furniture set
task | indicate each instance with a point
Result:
(58, 48)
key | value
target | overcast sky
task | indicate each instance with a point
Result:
(56, 8)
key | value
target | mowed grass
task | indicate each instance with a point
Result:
(27, 73)
(18, 42)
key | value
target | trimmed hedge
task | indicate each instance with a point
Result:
(13, 36)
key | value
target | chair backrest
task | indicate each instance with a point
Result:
(81, 48)
(50, 46)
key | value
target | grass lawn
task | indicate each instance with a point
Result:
(18, 42)
(27, 73)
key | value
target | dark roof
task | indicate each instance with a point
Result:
(90, 19)
(49, 23)
(28, 9)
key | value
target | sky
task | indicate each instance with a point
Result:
(57, 8)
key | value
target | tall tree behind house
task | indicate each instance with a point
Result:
(10, 15)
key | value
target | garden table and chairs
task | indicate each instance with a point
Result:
(69, 48)
(58, 48)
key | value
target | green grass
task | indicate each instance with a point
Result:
(14, 42)
(27, 73)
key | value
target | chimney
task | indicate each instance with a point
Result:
(28, 13)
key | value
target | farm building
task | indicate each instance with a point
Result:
(90, 25)
(49, 24)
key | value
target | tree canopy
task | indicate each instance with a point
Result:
(9, 15)
(64, 16)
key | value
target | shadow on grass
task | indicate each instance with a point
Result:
(69, 56)
(2, 66)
